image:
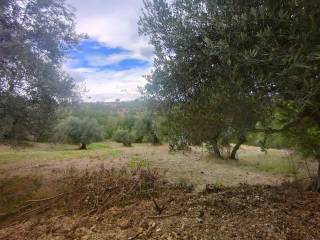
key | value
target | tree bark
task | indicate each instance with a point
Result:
(83, 146)
(235, 149)
(215, 148)
(155, 140)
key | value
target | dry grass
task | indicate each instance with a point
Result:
(53, 159)
(195, 167)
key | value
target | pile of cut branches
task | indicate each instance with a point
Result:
(92, 191)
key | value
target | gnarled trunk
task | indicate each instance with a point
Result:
(216, 150)
(235, 149)
(83, 146)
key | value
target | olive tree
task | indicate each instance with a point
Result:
(261, 56)
(78, 131)
(145, 128)
(123, 136)
(34, 38)
(197, 72)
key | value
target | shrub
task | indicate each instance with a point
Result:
(123, 136)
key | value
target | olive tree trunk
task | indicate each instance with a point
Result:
(83, 146)
(216, 150)
(235, 149)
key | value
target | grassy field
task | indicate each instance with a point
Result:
(42, 158)
(45, 152)
(33, 170)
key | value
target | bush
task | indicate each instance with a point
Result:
(123, 136)
(79, 131)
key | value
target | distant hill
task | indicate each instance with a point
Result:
(100, 109)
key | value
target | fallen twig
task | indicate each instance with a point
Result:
(157, 207)
(33, 211)
(49, 198)
(135, 236)
(29, 204)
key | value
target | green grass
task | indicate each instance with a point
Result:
(99, 145)
(272, 162)
(135, 163)
(45, 152)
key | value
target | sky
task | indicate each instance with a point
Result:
(112, 61)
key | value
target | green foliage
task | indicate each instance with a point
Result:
(277, 140)
(145, 129)
(111, 115)
(306, 137)
(76, 130)
(123, 136)
(194, 81)
(132, 116)
(225, 68)
(35, 35)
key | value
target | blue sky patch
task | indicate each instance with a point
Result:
(92, 54)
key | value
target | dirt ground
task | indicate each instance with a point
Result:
(140, 205)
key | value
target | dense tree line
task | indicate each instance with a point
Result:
(125, 122)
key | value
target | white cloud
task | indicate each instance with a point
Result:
(113, 23)
(99, 60)
(109, 85)
(82, 70)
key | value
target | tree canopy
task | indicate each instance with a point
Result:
(238, 66)
(34, 38)
(238, 58)
(78, 131)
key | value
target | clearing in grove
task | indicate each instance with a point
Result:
(63, 193)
